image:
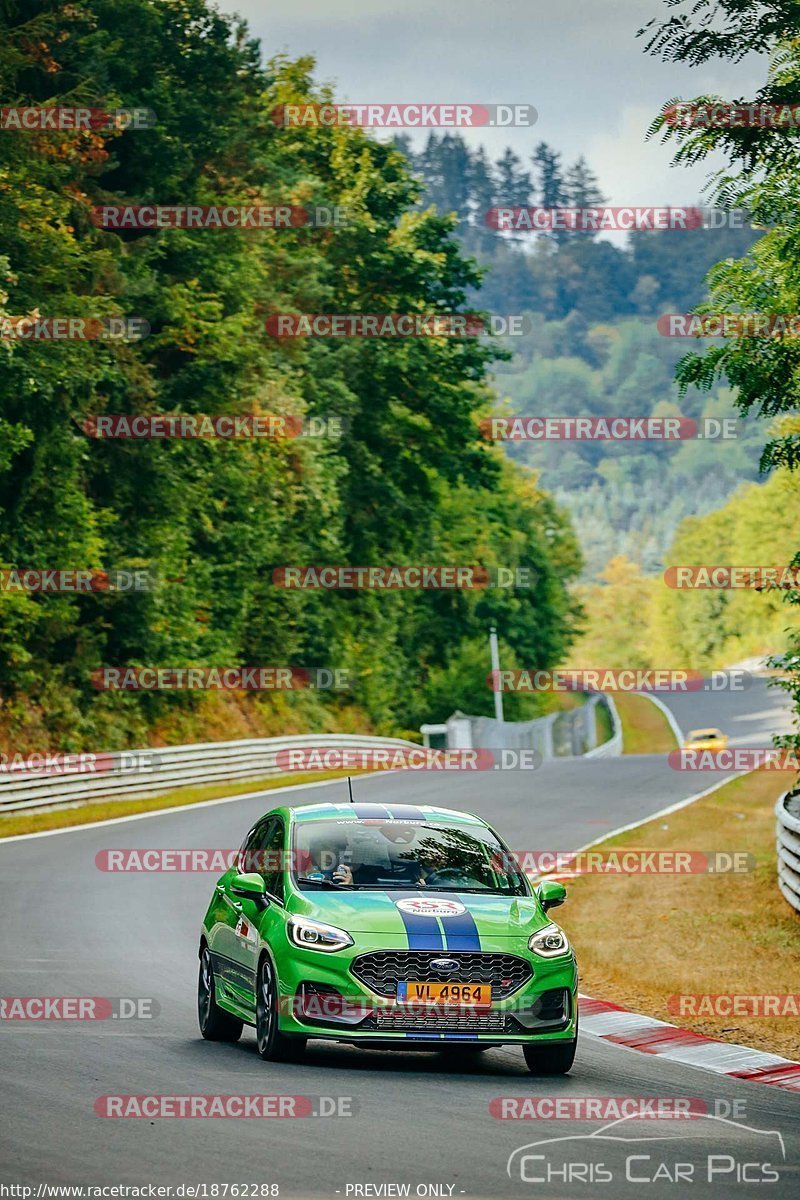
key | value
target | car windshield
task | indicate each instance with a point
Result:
(409, 855)
(708, 736)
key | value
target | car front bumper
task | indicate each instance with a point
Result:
(322, 996)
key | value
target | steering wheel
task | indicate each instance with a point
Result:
(453, 876)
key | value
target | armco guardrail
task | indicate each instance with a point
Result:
(572, 732)
(174, 766)
(613, 747)
(788, 846)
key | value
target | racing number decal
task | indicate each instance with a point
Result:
(246, 932)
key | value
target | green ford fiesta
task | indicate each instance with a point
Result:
(386, 925)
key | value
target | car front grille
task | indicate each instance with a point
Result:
(454, 1020)
(382, 970)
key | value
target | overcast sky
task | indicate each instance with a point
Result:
(578, 62)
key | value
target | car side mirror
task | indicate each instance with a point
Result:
(551, 893)
(250, 886)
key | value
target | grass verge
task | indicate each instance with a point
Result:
(604, 728)
(37, 821)
(643, 938)
(645, 729)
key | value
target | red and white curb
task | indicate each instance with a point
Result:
(619, 1025)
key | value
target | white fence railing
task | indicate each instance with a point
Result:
(788, 846)
(612, 748)
(134, 773)
(140, 772)
(567, 733)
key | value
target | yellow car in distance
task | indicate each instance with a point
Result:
(705, 739)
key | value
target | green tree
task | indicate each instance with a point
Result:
(760, 175)
(581, 188)
(413, 481)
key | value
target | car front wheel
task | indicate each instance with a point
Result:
(216, 1025)
(551, 1058)
(272, 1045)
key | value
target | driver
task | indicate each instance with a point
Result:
(326, 853)
(402, 869)
(332, 857)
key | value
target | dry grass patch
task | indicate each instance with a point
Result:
(645, 729)
(643, 938)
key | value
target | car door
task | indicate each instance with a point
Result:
(251, 920)
(226, 928)
(273, 868)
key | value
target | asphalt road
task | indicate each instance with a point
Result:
(420, 1119)
(749, 714)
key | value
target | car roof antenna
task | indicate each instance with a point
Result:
(350, 789)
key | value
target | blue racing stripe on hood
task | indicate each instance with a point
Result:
(423, 933)
(460, 931)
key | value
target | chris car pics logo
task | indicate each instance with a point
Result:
(624, 1152)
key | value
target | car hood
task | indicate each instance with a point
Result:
(468, 917)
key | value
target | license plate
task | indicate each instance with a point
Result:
(478, 995)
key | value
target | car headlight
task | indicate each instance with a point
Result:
(315, 935)
(549, 942)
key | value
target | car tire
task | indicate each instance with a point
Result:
(272, 1045)
(216, 1025)
(550, 1058)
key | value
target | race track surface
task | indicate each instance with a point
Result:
(420, 1119)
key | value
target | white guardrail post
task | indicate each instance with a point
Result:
(788, 847)
(168, 767)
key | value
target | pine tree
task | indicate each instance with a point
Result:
(582, 188)
(445, 164)
(483, 196)
(550, 179)
(514, 185)
(550, 183)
